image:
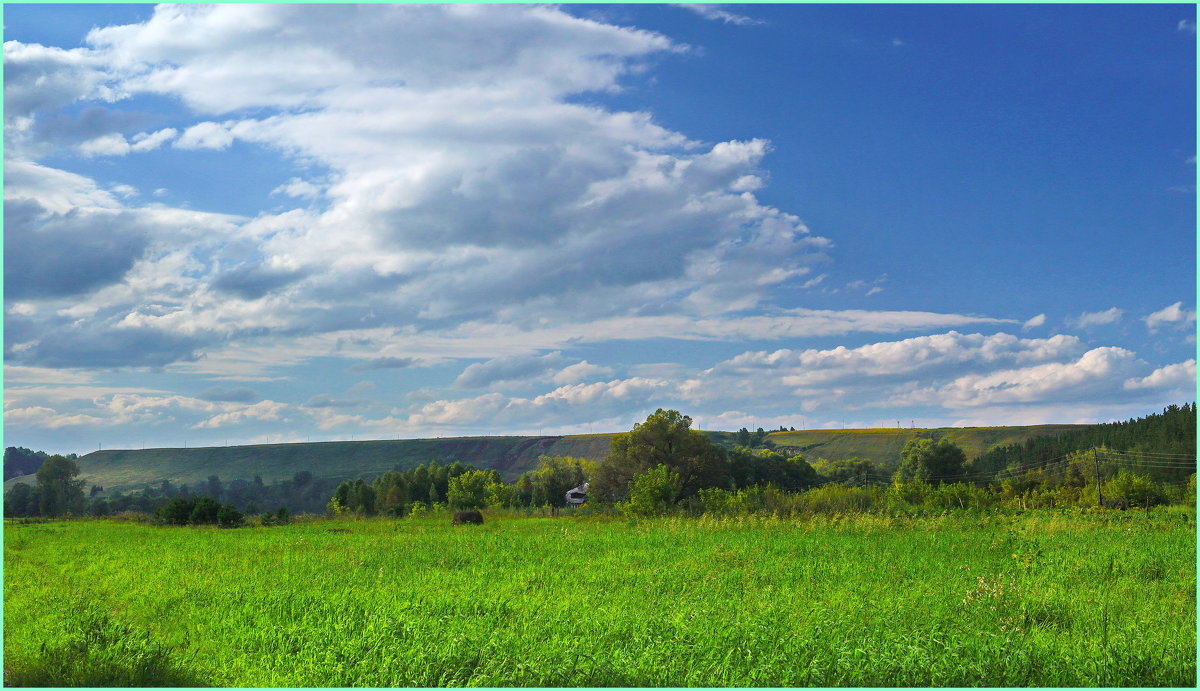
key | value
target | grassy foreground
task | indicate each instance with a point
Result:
(1040, 599)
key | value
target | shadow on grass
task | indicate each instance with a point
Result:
(102, 653)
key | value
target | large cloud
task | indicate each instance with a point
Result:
(463, 186)
(461, 178)
(951, 371)
(461, 181)
(860, 373)
(83, 266)
(1096, 374)
(39, 78)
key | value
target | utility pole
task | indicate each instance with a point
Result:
(1099, 492)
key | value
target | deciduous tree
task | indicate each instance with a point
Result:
(665, 438)
(922, 459)
(58, 489)
(468, 490)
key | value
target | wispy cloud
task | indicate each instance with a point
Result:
(1090, 319)
(718, 13)
(383, 363)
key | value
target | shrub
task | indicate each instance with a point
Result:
(716, 502)
(839, 499)
(469, 490)
(176, 511)
(1134, 490)
(652, 493)
(960, 495)
(230, 517)
(335, 508)
(204, 511)
(905, 495)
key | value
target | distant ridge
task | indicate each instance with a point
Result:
(130, 469)
(883, 444)
(127, 469)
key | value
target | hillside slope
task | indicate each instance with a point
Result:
(126, 470)
(884, 444)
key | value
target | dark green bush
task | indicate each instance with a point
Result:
(230, 517)
(204, 510)
(176, 511)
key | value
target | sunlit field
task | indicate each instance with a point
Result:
(1035, 599)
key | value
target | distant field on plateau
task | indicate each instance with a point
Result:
(1046, 598)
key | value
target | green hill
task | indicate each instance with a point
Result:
(126, 470)
(883, 444)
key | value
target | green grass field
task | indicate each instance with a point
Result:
(1039, 599)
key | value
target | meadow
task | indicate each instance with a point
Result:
(1041, 598)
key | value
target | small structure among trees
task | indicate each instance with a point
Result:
(577, 495)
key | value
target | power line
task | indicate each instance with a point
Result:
(1052, 465)
(1154, 454)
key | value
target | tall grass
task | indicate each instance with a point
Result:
(970, 599)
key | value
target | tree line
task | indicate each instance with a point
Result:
(399, 493)
(663, 466)
(1171, 433)
(57, 491)
(19, 461)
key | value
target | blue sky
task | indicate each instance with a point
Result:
(240, 224)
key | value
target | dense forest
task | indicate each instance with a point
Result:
(19, 461)
(1171, 433)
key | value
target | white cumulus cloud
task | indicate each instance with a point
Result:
(1171, 314)
(205, 135)
(1181, 375)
